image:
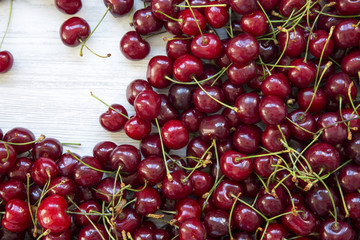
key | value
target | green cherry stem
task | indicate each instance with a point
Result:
(163, 151)
(91, 93)
(8, 23)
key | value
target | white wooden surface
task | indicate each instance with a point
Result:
(48, 88)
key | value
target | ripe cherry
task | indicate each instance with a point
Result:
(145, 22)
(180, 186)
(331, 230)
(133, 46)
(216, 16)
(119, 7)
(302, 125)
(242, 49)
(286, 7)
(73, 31)
(276, 84)
(6, 61)
(174, 134)
(204, 103)
(339, 86)
(112, 120)
(177, 46)
(68, 6)
(241, 74)
(164, 6)
(147, 104)
(90, 232)
(49, 148)
(126, 157)
(303, 75)
(206, 46)
(191, 22)
(152, 170)
(187, 67)
(86, 176)
(192, 229)
(334, 131)
(313, 102)
(223, 197)
(248, 108)
(148, 201)
(158, 68)
(128, 220)
(350, 64)
(214, 127)
(134, 88)
(246, 218)
(272, 110)
(235, 166)
(17, 216)
(151, 145)
(21, 168)
(243, 7)
(296, 42)
(346, 34)
(87, 207)
(302, 223)
(43, 169)
(254, 23)
(346, 7)
(137, 128)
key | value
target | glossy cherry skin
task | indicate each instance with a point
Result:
(90, 232)
(158, 68)
(333, 132)
(134, 88)
(287, 6)
(17, 216)
(12, 189)
(276, 84)
(318, 200)
(164, 6)
(317, 44)
(323, 156)
(352, 148)
(352, 202)
(151, 169)
(206, 46)
(68, 6)
(51, 214)
(87, 207)
(73, 30)
(192, 119)
(275, 231)
(134, 47)
(338, 86)
(246, 219)
(273, 203)
(301, 125)
(180, 96)
(349, 177)
(296, 42)
(177, 47)
(112, 120)
(247, 138)
(62, 186)
(318, 103)
(264, 165)
(107, 190)
(215, 16)
(233, 168)
(102, 151)
(43, 169)
(302, 224)
(173, 27)
(272, 110)
(254, 23)
(231, 91)
(214, 127)
(332, 230)
(161, 234)
(20, 135)
(67, 163)
(241, 74)
(242, 49)
(6, 61)
(151, 145)
(204, 103)
(268, 51)
(119, 7)
(147, 104)
(192, 229)
(178, 188)
(248, 107)
(143, 233)
(222, 196)
(346, 7)
(145, 22)
(350, 64)
(303, 75)
(243, 7)
(22, 167)
(49, 147)
(187, 67)
(272, 137)
(189, 24)
(7, 158)
(148, 201)
(345, 35)
(85, 176)
(125, 156)
(187, 208)
(198, 149)
(201, 182)
(217, 223)
(128, 220)
(174, 134)
(137, 128)
(66, 235)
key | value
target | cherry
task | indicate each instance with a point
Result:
(133, 46)
(164, 6)
(158, 68)
(167, 111)
(85, 176)
(21, 168)
(214, 127)
(174, 134)
(338, 86)
(68, 6)
(201, 182)
(51, 214)
(325, 22)
(243, 48)
(20, 135)
(231, 91)
(284, 61)
(314, 102)
(90, 232)
(102, 151)
(112, 120)
(49, 148)
(179, 188)
(143, 233)
(346, 7)
(296, 42)
(272, 136)
(318, 200)
(217, 223)
(58, 236)
(17, 216)
(352, 148)
(137, 128)
(216, 16)
(148, 201)
(204, 103)
(274, 231)
(151, 169)
(206, 46)
(350, 64)
(128, 220)
(177, 46)
(331, 229)
(180, 96)
(191, 22)
(241, 74)
(198, 149)
(6, 61)
(192, 229)
(161, 234)
(301, 125)
(272, 204)
(147, 104)
(264, 165)
(43, 169)
(333, 132)
(302, 224)
(323, 156)
(126, 157)
(108, 190)
(175, 163)
(243, 7)
(62, 186)
(317, 44)
(352, 202)
(235, 166)
(268, 51)
(73, 31)
(7, 158)
(222, 196)
(145, 22)
(67, 163)
(187, 208)
(35, 193)
(187, 67)
(272, 110)
(248, 107)
(303, 75)
(246, 218)
(348, 178)
(198, 3)
(192, 119)
(87, 207)
(231, 116)
(119, 7)
(151, 145)
(12, 189)
(286, 7)
(247, 138)
(345, 34)
(276, 84)
(134, 88)
(254, 23)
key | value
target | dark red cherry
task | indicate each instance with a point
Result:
(265, 165)
(68, 6)
(352, 202)
(349, 177)
(318, 44)
(22, 136)
(151, 145)
(231, 91)
(62, 186)
(331, 230)
(202, 182)
(272, 110)
(167, 111)
(302, 223)
(191, 22)
(128, 220)
(175, 163)
(134, 88)
(49, 148)
(102, 151)
(6, 61)
(322, 156)
(235, 166)
(204, 103)
(339, 86)
(214, 127)
(7, 158)
(147, 104)
(90, 232)
(302, 125)
(125, 156)
(284, 61)
(286, 7)
(148, 201)
(353, 148)
(151, 169)
(86, 176)
(247, 138)
(73, 31)
(21, 168)
(187, 67)
(137, 128)
(206, 46)
(242, 49)
(43, 169)
(173, 27)
(350, 64)
(161, 234)
(231, 116)
(313, 102)
(346, 34)
(67, 163)
(272, 204)
(164, 6)
(192, 229)
(268, 51)
(216, 16)
(112, 120)
(276, 84)
(296, 41)
(333, 132)
(198, 149)
(143, 233)
(352, 121)
(187, 208)
(145, 22)
(254, 23)
(243, 73)
(303, 75)
(158, 68)
(222, 197)
(272, 138)
(180, 186)
(246, 218)
(133, 46)
(119, 7)
(17, 216)
(275, 231)
(347, 7)
(248, 107)
(12, 189)
(192, 119)
(174, 134)
(243, 7)
(58, 236)
(178, 46)
(217, 223)
(319, 200)
(180, 96)
(108, 190)
(87, 207)
(51, 214)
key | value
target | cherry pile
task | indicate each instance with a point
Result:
(263, 98)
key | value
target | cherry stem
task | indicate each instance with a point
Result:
(250, 206)
(8, 23)
(231, 33)
(262, 155)
(231, 213)
(47, 232)
(269, 21)
(201, 6)
(87, 165)
(127, 117)
(337, 16)
(196, 21)
(170, 178)
(171, 18)
(286, 45)
(351, 101)
(28, 202)
(7, 153)
(84, 42)
(208, 194)
(342, 196)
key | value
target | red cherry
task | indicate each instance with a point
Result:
(243, 7)
(145, 22)
(317, 44)
(174, 134)
(295, 44)
(164, 6)
(272, 110)
(215, 16)
(68, 6)
(112, 120)
(158, 68)
(87, 207)
(206, 46)
(345, 34)
(254, 23)
(133, 46)
(7, 158)
(44, 169)
(242, 49)
(17, 216)
(147, 104)
(178, 188)
(186, 67)
(347, 7)
(286, 7)
(192, 229)
(86, 176)
(73, 31)
(190, 22)
(6, 61)
(233, 167)
(119, 7)
(350, 64)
